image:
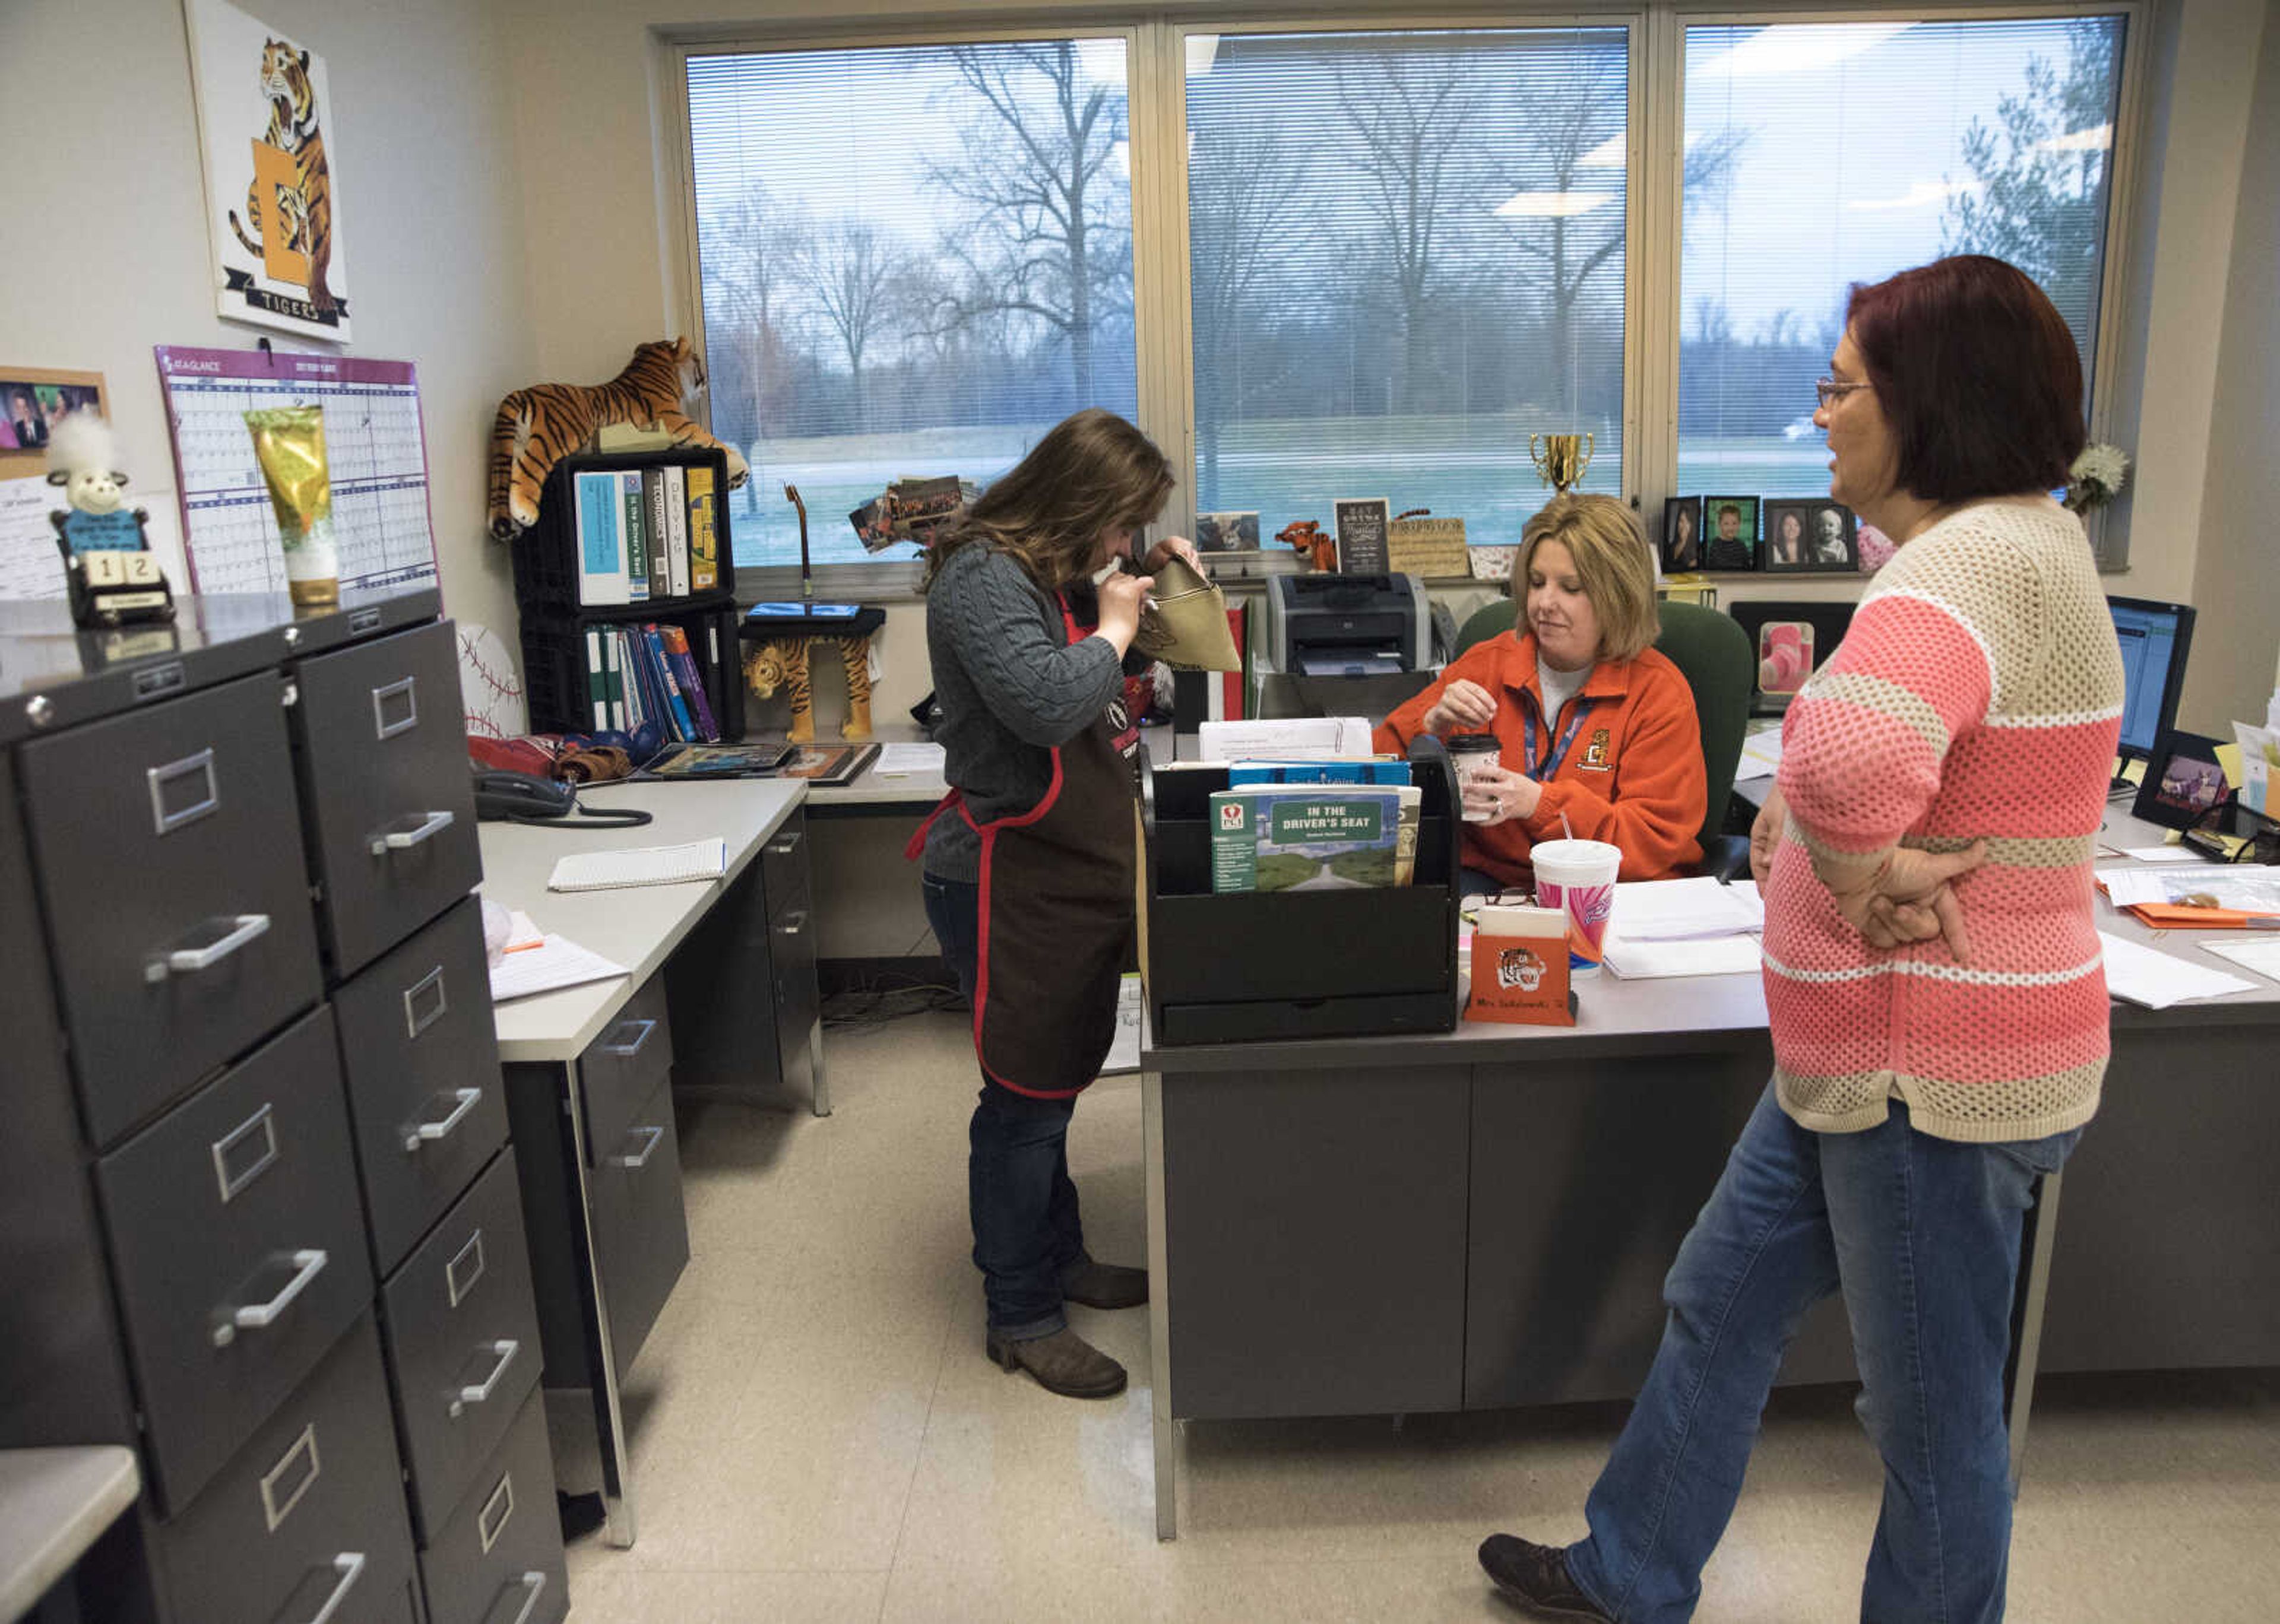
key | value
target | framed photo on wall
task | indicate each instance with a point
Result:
(1731, 542)
(1226, 533)
(1682, 535)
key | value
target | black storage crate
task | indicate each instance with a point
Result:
(554, 661)
(546, 555)
(1340, 963)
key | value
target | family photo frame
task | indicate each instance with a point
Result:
(2184, 781)
(1730, 532)
(1809, 534)
(1681, 535)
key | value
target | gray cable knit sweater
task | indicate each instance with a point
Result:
(1012, 688)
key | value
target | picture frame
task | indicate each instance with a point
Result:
(1226, 533)
(1733, 547)
(33, 400)
(1362, 524)
(1787, 549)
(828, 766)
(2184, 781)
(1826, 624)
(1831, 536)
(1681, 535)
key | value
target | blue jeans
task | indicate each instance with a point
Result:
(1921, 1236)
(1028, 1236)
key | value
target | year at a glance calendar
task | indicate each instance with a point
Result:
(372, 441)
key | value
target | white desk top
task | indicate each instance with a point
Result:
(54, 1504)
(636, 925)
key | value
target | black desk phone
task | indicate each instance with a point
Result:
(520, 797)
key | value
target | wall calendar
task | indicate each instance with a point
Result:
(373, 442)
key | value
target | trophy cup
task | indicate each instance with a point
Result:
(1561, 459)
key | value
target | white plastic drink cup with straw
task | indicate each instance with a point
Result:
(1578, 877)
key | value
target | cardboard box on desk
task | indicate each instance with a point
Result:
(1519, 967)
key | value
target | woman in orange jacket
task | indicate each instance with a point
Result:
(1597, 731)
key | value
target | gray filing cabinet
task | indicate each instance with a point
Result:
(284, 1256)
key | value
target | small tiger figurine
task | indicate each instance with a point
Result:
(304, 209)
(782, 663)
(537, 426)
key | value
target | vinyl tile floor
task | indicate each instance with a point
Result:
(817, 1438)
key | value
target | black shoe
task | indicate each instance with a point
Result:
(1536, 1576)
(1104, 1285)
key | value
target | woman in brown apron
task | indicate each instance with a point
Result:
(1029, 859)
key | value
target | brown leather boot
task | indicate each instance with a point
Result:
(1104, 1285)
(1063, 1363)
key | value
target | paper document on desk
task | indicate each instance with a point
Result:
(606, 870)
(2260, 954)
(2245, 887)
(1334, 663)
(2147, 975)
(549, 963)
(1124, 1047)
(1762, 754)
(908, 761)
(1295, 738)
(1686, 909)
(1638, 961)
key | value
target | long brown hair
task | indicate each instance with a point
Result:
(1092, 471)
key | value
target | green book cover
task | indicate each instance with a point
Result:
(636, 535)
(1288, 838)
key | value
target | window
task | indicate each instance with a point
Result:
(1823, 154)
(1406, 253)
(913, 295)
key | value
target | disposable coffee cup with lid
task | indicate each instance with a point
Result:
(1467, 752)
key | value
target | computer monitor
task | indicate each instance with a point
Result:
(2155, 639)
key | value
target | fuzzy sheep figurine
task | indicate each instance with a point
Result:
(107, 560)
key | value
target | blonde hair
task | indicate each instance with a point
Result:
(1092, 471)
(1610, 549)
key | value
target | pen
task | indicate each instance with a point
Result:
(524, 947)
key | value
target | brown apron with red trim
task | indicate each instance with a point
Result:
(1056, 911)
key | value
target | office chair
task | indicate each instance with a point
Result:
(1714, 656)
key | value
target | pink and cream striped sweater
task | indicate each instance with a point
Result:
(1977, 696)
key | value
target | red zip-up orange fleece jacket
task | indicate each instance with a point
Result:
(1633, 777)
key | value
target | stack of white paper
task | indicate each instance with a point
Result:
(1295, 738)
(906, 760)
(549, 963)
(1761, 756)
(2255, 950)
(605, 871)
(1636, 961)
(1687, 910)
(2148, 976)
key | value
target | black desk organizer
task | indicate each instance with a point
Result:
(1296, 963)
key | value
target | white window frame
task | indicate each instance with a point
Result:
(1156, 102)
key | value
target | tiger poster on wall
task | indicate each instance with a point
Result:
(265, 123)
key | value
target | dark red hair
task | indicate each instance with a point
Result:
(1978, 374)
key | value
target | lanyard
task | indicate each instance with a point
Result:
(1543, 772)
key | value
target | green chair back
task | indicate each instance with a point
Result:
(1714, 656)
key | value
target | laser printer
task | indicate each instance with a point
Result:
(1341, 645)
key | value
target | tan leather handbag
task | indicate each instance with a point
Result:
(1185, 621)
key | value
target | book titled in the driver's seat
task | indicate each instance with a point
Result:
(1301, 837)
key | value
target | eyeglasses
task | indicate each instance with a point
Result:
(1830, 391)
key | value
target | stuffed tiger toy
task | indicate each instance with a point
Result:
(537, 426)
(304, 209)
(782, 663)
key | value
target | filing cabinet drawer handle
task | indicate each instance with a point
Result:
(627, 1051)
(306, 1266)
(785, 847)
(481, 1393)
(349, 1565)
(468, 1098)
(382, 724)
(640, 1160)
(190, 961)
(168, 817)
(430, 825)
(532, 1586)
(794, 923)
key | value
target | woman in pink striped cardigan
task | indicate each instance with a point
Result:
(1932, 976)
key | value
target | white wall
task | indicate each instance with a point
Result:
(115, 226)
(2236, 574)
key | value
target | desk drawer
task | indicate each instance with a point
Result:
(461, 1329)
(791, 952)
(237, 1248)
(421, 1056)
(499, 1560)
(641, 1228)
(623, 1067)
(307, 1517)
(383, 764)
(177, 893)
(784, 862)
